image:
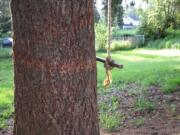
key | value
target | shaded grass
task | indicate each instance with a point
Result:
(5, 53)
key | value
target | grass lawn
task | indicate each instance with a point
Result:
(6, 86)
(144, 67)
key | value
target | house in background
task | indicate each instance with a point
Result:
(130, 22)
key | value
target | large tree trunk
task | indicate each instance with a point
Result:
(55, 67)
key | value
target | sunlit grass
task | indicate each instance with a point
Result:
(6, 90)
(144, 69)
(164, 52)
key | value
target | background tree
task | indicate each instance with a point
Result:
(161, 15)
(5, 17)
(96, 14)
(117, 11)
(55, 68)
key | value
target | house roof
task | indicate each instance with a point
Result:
(130, 21)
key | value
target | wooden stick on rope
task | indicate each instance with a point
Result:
(112, 63)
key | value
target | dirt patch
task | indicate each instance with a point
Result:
(163, 120)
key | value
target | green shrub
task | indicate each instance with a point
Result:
(122, 45)
(7, 34)
(101, 36)
(117, 32)
(171, 41)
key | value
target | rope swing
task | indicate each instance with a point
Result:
(109, 64)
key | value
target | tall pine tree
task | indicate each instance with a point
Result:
(55, 67)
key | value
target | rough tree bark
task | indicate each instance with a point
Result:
(55, 67)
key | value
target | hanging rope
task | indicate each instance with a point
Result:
(108, 68)
(109, 64)
(109, 29)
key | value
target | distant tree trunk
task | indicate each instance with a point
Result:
(55, 67)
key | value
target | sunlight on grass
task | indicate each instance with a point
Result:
(149, 70)
(6, 90)
(131, 58)
(6, 106)
(5, 98)
(164, 52)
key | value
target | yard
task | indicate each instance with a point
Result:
(142, 95)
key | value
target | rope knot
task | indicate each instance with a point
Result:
(108, 63)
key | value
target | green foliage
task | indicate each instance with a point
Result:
(5, 17)
(101, 36)
(156, 19)
(96, 14)
(4, 7)
(117, 11)
(171, 41)
(143, 104)
(122, 45)
(116, 32)
(125, 39)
